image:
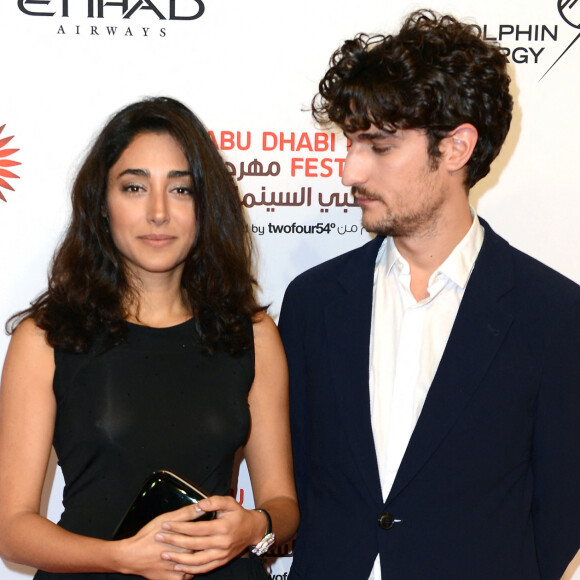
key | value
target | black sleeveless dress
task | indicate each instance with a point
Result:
(154, 402)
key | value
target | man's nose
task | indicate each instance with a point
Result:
(354, 172)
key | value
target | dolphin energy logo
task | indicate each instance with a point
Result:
(5, 163)
(570, 12)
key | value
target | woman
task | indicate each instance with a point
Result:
(148, 351)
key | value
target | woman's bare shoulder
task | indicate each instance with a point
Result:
(29, 349)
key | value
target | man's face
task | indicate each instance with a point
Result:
(402, 191)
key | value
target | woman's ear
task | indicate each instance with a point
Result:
(458, 146)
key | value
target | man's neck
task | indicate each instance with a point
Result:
(427, 250)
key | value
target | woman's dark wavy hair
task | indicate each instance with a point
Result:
(434, 75)
(89, 288)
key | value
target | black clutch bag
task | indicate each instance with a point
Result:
(162, 492)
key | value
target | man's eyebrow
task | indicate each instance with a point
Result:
(373, 134)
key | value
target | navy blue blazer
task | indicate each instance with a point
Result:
(489, 486)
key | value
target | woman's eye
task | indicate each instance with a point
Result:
(132, 188)
(381, 149)
(183, 191)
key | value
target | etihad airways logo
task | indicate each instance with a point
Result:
(5, 162)
(162, 9)
(86, 17)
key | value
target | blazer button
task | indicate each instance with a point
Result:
(386, 521)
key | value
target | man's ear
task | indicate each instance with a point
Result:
(457, 147)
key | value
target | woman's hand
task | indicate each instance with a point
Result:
(142, 554)
(207, 545)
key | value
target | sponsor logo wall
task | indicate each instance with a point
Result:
(249, 69)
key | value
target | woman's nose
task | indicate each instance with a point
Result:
(157, 209)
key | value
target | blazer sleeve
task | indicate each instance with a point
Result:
(556, 449)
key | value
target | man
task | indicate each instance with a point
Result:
(435, 372)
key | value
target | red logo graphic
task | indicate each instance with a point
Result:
(5, 162)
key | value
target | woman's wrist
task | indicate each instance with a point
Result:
(267, 538)
(117, 552)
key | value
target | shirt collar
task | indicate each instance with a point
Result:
(459, 264)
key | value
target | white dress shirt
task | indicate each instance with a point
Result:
(406, 344)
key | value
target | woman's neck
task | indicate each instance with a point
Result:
(158, 304)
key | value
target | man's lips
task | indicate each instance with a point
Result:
(363, 197)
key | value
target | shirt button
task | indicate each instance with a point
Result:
(386, 521)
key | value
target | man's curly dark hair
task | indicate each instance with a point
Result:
(434, 75)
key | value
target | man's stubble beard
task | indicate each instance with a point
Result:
(403, 226)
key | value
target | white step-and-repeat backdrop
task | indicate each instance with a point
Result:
(249, 69)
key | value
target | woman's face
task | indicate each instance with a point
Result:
(150, 206)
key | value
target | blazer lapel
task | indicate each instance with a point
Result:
(348, 320)
(477, 333)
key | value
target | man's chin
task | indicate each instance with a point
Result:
(382, 229)
(374, 227)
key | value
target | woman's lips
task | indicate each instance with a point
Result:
(157, 240)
